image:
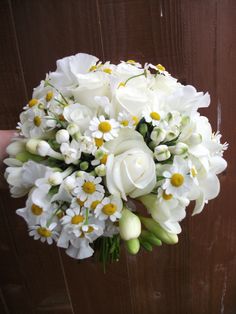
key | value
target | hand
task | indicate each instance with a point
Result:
(5, 139)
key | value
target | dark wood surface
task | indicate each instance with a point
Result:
(195, 40)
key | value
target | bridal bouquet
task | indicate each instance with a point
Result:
(112, 152)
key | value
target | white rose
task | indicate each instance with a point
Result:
(78, 114)
(130, 166)
(131, 99)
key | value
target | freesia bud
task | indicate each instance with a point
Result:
(62, 136)
(55, 179)
(158, 231)
(158, 135)
(179, 149)
(15, 148)
(129, 225)
(31, 145)
(171, 135)
(133, 246)
(162, 152)
(195, 139)
(43, 148)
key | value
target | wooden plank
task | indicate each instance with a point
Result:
(12, 87)
(50, 30)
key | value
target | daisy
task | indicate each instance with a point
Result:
(73, 220)
(88, 188)
(33, 122)
(104, 129)
(153, 116)
(178, 181)
(100, 157)
(33, 212)
(109, 208)
(127, 120)
(44, 232)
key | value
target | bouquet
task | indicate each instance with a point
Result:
(97, 140)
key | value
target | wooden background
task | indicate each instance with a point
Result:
(195, 40)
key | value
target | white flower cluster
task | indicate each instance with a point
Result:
(96, 135)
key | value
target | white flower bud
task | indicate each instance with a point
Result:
(195, 139)
(51, 123)
(43, 148)
(70, 183)
(129, 225)
(179, 149)
(72, 128)
(15, 148)
(99, 154)
(100, 170)
(31, 145)
(55, 179)
(162, 152)
(171, 135)
(62, 136)
(77, 136)
(158, 135)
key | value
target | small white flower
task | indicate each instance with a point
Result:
(73, 220)
(105, 129)
(44, 232)
(152, 116)
(71, 151)
(88, 188)
(109, 208)
(178, 181)
(126, 120)
(33, 123)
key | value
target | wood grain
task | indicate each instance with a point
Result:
(195, 41)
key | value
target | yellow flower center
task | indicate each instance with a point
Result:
(167, 197)
(94, 204)
(177, 179)
(93, 68)
(125, 122)
(109, 209)
(122, 84)
(160, 67)
(33, 102)
(135, 119)
(37, 121)
(155, 116)
(44, 232)
(36, 210)
(193, 171)
(78, 201)
(99, 142)
(107, 70)
(49, 96)
(103, 160)
(104, 127)
(89, 187)
(75, 220)
(90, 229)
(130, 61)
